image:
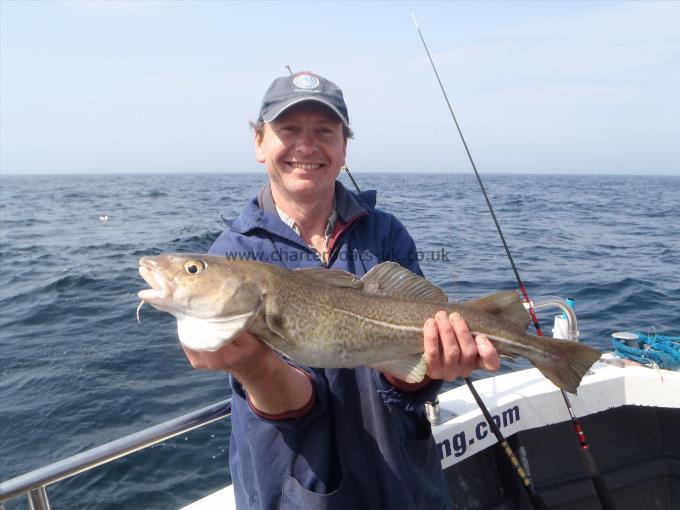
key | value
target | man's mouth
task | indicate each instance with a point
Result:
(305, 166)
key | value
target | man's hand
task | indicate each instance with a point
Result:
(245, 354)
(274, 387)
(451, 351)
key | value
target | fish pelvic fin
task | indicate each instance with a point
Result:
(566, 363)
(411, 369)
(391, 279)
(506, 304)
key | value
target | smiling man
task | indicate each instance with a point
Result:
(309, 438)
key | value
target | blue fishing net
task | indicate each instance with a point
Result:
(658, 350)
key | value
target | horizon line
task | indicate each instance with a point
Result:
(374, 172)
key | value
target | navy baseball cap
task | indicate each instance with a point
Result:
(287, 91)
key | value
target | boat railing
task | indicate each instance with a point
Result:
(33, 484)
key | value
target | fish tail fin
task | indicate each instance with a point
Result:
(566, 363)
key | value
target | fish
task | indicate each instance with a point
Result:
(326, 318)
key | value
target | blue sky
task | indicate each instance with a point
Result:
(162, 86)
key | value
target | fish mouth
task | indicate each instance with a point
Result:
(161, 288)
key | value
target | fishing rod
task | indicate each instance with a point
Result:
(598, 482)
(534, 496)
(344, 167)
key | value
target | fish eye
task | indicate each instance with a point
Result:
(194, 266)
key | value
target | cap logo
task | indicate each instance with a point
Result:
(306, 81)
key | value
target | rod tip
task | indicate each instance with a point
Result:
(415, 21)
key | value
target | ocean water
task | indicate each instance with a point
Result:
(77, 370)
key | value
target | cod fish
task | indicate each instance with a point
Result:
(331, 319)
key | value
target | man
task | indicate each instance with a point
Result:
(336, 438)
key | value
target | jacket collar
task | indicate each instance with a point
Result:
(260, 212)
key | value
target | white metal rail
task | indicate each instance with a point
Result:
(33, 484)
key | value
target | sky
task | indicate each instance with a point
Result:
(169, 86)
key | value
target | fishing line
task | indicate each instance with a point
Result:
(599, 484)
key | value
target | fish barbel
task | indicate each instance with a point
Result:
(332, 319)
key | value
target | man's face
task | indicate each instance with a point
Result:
(303, 150)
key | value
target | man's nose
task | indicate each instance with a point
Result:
(306, 142)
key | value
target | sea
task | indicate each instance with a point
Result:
(77, 370)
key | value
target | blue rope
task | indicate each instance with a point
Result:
(659, 350)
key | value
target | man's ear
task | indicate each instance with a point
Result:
(259, 152)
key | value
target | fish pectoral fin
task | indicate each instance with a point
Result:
(506, 304)
(332, 277)
(411, 369)
(211, 334)
(275, 323)
(391, 279)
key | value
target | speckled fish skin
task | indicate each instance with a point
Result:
(326, 318)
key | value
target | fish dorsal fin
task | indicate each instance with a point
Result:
(333, 277)
(391, 279)
(507, 304)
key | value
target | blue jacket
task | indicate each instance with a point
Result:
(363, 443)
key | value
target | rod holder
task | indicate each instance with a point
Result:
(558, 302)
